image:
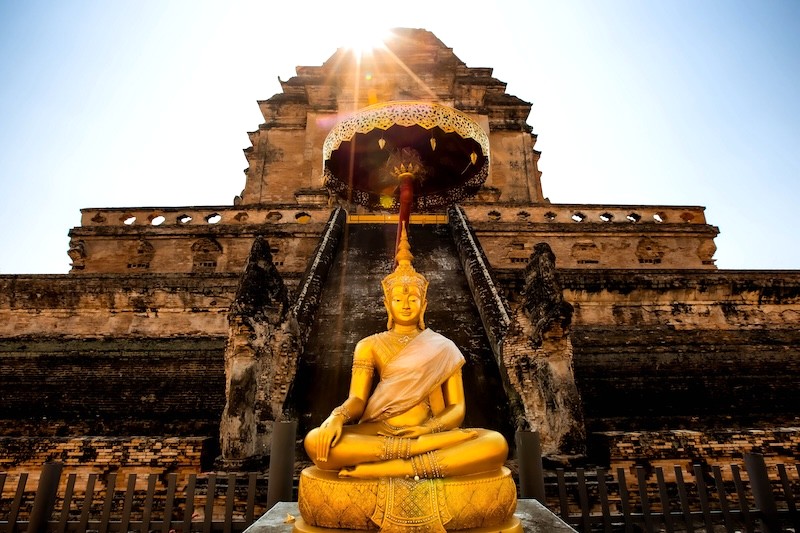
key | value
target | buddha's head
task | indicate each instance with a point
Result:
(405, 290)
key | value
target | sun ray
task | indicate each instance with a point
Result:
(411, 74)
(364, 41)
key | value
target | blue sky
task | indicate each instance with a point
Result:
(147, 103)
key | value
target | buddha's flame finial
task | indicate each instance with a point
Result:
(403, 255)
(404, 274)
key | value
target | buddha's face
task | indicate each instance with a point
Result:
(406, 305)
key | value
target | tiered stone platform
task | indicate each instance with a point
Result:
(533, 516)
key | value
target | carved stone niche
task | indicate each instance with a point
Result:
(585, 253)
(649, 252)
(205, 255)
(141, 256)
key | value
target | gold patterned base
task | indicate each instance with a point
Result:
(466, 503)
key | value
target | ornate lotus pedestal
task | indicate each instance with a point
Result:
(476, 503)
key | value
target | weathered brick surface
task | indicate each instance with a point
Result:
(707, 448)
(101, 456)
(665, 351)
(693, 350)
(107, 245)
(651, 378)
(603, 238)
(147, 305)
(111, 386)
(112, 355)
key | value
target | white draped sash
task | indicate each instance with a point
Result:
(412, 375)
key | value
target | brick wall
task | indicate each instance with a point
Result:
(102, 456)
(111, 386)
(147, 305)
(113, 355)
(661, 352)
(707, 448)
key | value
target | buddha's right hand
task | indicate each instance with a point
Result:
(328, 436)
(410, 432)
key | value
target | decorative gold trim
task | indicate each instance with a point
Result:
(427, 115)
(343, 412)
(383, 218)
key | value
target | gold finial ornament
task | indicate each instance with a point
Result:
(404, 274)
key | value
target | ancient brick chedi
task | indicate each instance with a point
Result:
(607, 328)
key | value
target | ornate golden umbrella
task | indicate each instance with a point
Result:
(402, 155)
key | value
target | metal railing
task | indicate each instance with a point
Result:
(728, 500)
(212, 503)
(692, 500)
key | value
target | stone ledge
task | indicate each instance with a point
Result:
(534, 516)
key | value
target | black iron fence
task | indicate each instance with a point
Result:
(715, 499)
(147, 503)
(752, 499)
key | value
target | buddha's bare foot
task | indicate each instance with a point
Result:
(439, 441)
(393, 468)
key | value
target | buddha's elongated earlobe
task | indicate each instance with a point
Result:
(390, 321)
(422, 316)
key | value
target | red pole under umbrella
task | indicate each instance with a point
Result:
(406, 155)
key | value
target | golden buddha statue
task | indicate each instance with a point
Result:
(406, 432)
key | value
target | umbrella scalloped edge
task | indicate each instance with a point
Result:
(427, 115)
